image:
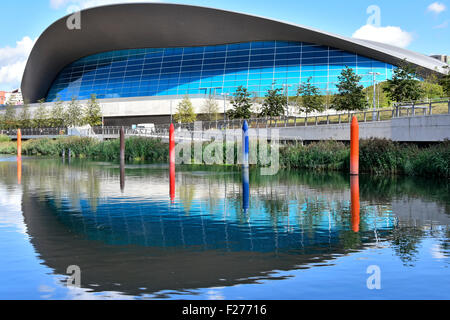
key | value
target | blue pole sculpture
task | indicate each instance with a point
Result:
(245, 189)
(245, 169)
(245, 144)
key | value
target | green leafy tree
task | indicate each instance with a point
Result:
(73, 115)
(211, 109)
(445, 82)
(93, 113)
(41, 116)
(242, 104)
(9, 118)
(309, 98)
(57, 119)
(350, 94)
(185, 111)
(404, 86)
(25, 116)
(274, 103)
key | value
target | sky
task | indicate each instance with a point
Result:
(419, 25)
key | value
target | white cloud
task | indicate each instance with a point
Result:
(436, 7)
(83, 4)
(390, 35)
(12, 63)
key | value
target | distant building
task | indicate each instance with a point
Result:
(14, 97)
(442, 58)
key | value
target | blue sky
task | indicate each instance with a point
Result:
(419, 25)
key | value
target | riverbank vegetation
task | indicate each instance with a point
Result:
(377, 156)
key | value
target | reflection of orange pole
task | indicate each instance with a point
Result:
(354, 147)
(19, 144)
(172, 161)
(19, 170)
(354, 191)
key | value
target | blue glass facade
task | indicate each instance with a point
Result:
(208, 70)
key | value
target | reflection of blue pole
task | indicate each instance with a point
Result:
(245, 144)
(245, 188)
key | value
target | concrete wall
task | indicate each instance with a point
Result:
(409, 129)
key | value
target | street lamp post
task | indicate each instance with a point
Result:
(225, 94)
(374, 74)
(286, 88)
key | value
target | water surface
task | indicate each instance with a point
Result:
(296, 235)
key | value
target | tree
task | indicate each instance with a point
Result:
(274, 103)
(25, 116)
(41, 116)
(211, 109)
(73, 115)
(185, 111)
(309, 98)
(445, 82)
(242, 104)
(93, 113)
(9, 119)
(350, 94)
(57, 115)
(404, 86)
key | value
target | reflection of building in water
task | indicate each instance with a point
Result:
(138, 239)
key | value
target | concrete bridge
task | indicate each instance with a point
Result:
(416, 123)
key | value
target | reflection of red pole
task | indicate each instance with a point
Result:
(172, 161)
(19, 170)
(354, 147)
(354, 191)
(19, 144)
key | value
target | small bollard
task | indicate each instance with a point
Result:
(354, 147)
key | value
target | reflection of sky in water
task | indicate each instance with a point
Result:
(306, 223)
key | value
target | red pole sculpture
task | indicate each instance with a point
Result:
(354, 195)
(19, 144)
(354, 147)
(172, 161)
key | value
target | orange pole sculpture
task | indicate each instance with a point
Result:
(354, 147)
(19, 144)
(172, 161)
(354, 195)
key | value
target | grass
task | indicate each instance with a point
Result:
(139, 149)
(377, 156)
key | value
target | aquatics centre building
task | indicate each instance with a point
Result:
(139, 59)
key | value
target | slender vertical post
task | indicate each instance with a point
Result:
(19, 144)
(354, 147)
(245, 189)
(245, 144)
(122, 159)
(449, 106)
(172, 161)
(354, 195)
(122, 144)
(19, 170)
